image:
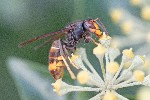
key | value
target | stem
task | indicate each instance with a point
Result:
(118, 72)
(107, 55)
(103, 68)
(121, 77)
(84, 58)
(126, 85)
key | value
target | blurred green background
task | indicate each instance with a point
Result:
(23, 19)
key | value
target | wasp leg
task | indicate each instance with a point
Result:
(71, 62)
(88, 38)
(67, 66)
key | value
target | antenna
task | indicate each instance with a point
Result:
(101, 25)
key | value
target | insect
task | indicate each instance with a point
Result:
(61, 49)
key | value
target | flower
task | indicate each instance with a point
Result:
(143, 93)
(114, 77)
(138, 75)
(135, 2)
(145, 13)
(138, 37)
(147, 64)
(136, 29)
(116, 15)
(128, 53)
(99, 50)
(112, 67)
(127, 26)
(110, 96)
(83, 77)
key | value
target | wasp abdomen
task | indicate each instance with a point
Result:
(56, 63)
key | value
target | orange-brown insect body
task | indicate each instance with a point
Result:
(61, 47)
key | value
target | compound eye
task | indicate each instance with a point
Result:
(91, 20)
(91, 24)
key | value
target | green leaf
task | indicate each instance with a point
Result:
(32, 80)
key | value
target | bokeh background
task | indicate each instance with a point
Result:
(127, 21)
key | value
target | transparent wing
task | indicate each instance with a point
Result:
(63, 31)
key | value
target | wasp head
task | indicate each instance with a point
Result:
(92, 26)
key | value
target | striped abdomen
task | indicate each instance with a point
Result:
(56, 64)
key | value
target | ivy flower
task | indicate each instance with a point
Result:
(114, 74)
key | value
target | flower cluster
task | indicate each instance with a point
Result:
(127, 73)
(135, 29)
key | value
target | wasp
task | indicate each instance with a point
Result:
(62, 48)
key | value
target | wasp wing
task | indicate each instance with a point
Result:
(49, 40)
(42, 36)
